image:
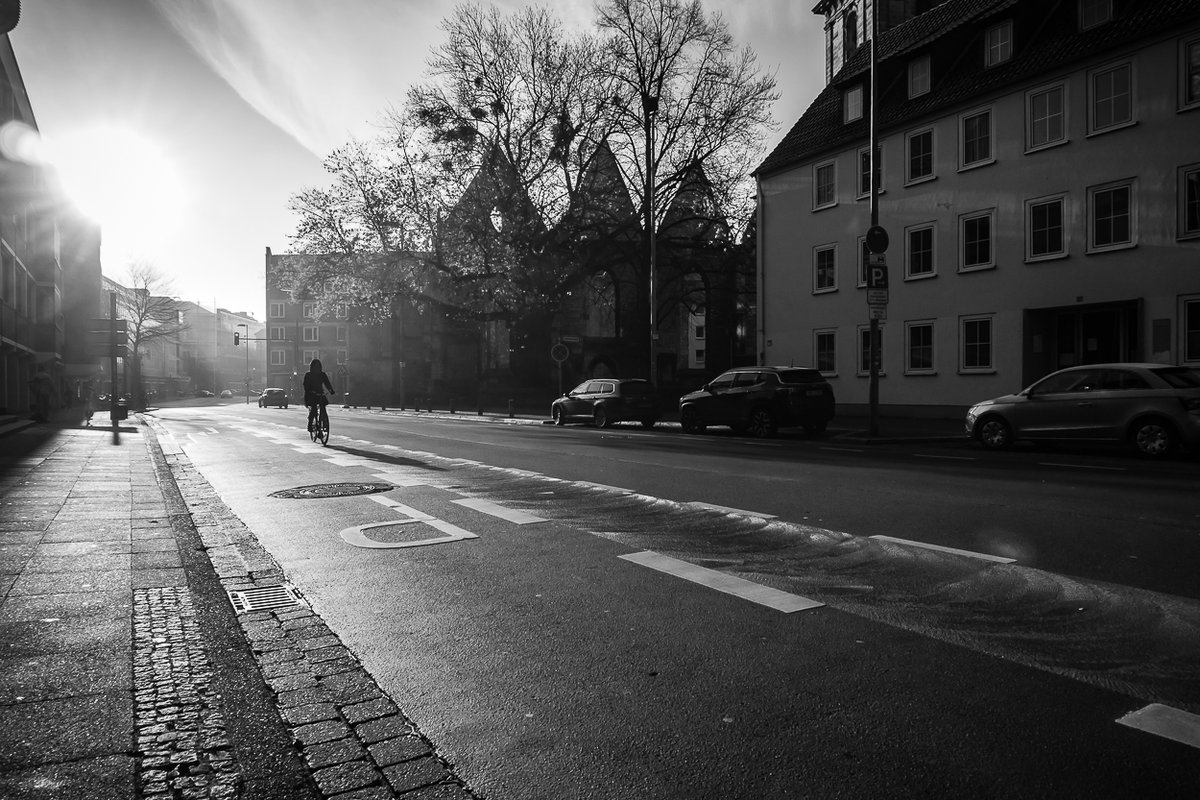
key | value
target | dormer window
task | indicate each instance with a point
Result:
(918, 76)
(1094, 12)
(998, 43)
(852, 103)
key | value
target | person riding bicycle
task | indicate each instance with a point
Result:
(314, 381)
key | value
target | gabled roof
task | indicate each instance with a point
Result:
(496, 186)
(821, 129)
(692, 213)
(601, 202)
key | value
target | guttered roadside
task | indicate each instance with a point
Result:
(127, 671)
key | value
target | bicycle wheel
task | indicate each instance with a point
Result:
(314, 424)
(322, 427)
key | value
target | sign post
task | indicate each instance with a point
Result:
(560, 353)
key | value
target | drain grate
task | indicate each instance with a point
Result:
(264, 598)
(320, 490)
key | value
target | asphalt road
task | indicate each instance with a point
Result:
(547, 660)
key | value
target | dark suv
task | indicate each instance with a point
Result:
(760, 400)
(603, 401)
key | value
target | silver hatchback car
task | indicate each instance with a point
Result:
(1154, 407)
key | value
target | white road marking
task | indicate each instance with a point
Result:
(497, 510)
(1079, 466)
(357, 536)
(946, 458)
(1170, 723)
(722, 582)
(402, 477)
(942, 549)
(739, 511)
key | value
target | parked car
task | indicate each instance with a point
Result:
(603, 401)
(226, 393)
(1153, 407)
(273, 397)
(203, 393)
(760, 400)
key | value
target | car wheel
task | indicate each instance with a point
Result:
(556, 414)
(994, 433)
(815, 428)
(761, 424)
(689, 421)
(600, 417)
(1153, 438)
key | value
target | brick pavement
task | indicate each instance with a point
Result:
(125, 670)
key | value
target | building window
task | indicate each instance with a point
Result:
(999, 43)
(340, 311)
(307, 356)
(1045, 231)
(311, 334)
(1112, 98)
(976, 338)
(1046, 118)
(864, 171)
(1189, 74)
(309, 311)
(976, 139)
(852, 104)
(919, 251)
(864, 258)
(919, 75)
(864, 349)
(918, 337)
(279, 358)
(1093, 13)
(825, 268)
(341, 333)
(1111, 219)
(920, 155)
(1189, 201)
(975, 235)
(342, 358)
(276, 311)
(825, 351)
(825, 185)
(276, 333)
(1191, 329)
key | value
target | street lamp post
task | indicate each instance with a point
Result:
(649, 111)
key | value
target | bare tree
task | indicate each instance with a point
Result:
(152, 315)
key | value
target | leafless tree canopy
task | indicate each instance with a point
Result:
(469, 195)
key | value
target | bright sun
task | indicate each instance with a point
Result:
(125, 182)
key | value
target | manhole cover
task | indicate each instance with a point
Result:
(332, 490)
(264, 598)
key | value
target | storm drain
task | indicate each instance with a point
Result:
(264, 598)
(322, 490)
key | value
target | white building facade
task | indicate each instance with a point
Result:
(1039, 173)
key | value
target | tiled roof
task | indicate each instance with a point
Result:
(820, 128)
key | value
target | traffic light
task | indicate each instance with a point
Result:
(237, 339)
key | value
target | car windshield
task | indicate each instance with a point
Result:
(800, 376)
(1179, 377)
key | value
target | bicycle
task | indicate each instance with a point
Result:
(318, 423)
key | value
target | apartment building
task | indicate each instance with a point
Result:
(1038, 167)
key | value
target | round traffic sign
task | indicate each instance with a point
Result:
(560, 352)
(877, 239)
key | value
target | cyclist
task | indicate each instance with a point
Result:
(315, 380)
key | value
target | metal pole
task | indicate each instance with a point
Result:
(873, 386)
(112, 395)
(649, 109)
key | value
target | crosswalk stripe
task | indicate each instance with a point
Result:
(1170, 723)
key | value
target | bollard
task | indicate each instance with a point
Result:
(451, 405)
(511, 405)
(346, 400)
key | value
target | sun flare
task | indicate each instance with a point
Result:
(124, 181)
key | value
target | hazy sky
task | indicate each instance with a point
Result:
(243, 98)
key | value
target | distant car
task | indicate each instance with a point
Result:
(1154, 407)
(203, 393)
(273, 397)
(603, 401)
(226, 393)
(759, 401)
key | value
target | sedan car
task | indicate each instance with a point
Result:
(273, 397)
(203, 393)
(603, 401)
(1153, 407)
(759, 401)
(226, 393)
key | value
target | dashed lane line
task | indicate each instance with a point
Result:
(722, 582)
(943, 549)
(496, 510)
(1165, 721)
